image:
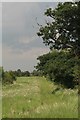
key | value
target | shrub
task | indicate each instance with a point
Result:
(60, 67)
(26, 73)
(8, 77)
(1, 68)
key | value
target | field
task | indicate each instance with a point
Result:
(32, 97)
(0, 100)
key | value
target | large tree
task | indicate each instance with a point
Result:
(64, 30)
(62, 34)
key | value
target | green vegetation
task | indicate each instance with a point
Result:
(35, 97)
(0, 92)
(1, 73)
(63, 31)
(36, 73)
(20, 73)
(8, 77)
(62, 35)
(60, 67)
(38, 97)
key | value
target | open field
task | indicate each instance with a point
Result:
(31, 97)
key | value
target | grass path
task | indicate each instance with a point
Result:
(31, 97)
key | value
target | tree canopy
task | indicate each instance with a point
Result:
(64, 30)
(62, 35)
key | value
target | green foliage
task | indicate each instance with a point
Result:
(60, 67)
(8, 77)
(63, 31)
(26, 73)
(36, 73)
(20, 73)
(1, 69)
(76, 72)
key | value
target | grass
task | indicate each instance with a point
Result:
(31, 97)
(0, 100)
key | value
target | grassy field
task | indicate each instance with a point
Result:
(31, 97)
(0, 100)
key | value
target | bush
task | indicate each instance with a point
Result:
(36, 73)
(26, 73)
(60, 67)
(8, 77)
(1, 68)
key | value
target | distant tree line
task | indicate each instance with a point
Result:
(20, 73)
(9, 77)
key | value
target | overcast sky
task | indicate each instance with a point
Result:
(0, 34)
(21, 45)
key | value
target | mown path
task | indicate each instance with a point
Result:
(31, 97)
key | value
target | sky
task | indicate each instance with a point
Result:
(0, 34)
(20, 44)
(38, 0)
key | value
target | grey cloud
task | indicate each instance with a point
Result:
(19, 30)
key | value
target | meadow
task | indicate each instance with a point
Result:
(33, 97)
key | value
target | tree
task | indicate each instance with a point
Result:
(36, 73)
(8, 77)
(18, 73)
(60, 67)
(64, 30)
(26, 73)
(1, 70)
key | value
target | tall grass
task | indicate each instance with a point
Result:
(31, 97)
